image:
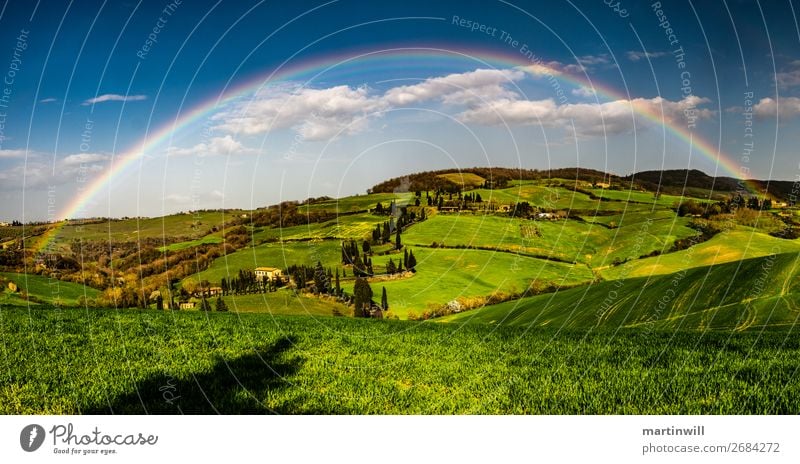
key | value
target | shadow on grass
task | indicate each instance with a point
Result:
(237, 386)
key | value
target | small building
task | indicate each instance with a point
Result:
(602, 185)
(5, 224)
(187, 305)
(267, 273)
(545, 216)
(210, 291)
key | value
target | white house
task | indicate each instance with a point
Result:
(267, 273)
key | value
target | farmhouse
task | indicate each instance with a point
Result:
(187, 305)
(267, 273)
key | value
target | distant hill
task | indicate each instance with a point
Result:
(674, 180)
(434, 180)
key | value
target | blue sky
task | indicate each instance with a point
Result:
(83, 88)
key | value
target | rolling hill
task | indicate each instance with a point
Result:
(752, 294)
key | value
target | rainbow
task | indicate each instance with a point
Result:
(308, 69)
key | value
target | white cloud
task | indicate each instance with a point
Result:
(590, 119)
(784, 108)
(114, 97)
(14, 154)
(216, 146)
(634, 55)
(316, 114)
(788, 79)
(37, 172)
(486, 96)
(466, 87)
(48, 100)
(584, 92)
(550, 68)
(84, 158)
(593, 60)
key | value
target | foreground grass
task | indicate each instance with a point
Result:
(74, 361)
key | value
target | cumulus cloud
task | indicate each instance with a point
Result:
(634, 55)
(483, 96)
(216, 146)
(465, 87)
(316, 114)
(607, 118)
(114, 97)
(14, 154)
(784, 108)
(38, 172)
(84, 158)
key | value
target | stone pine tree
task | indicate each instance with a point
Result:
(362, 297)
(384, 300)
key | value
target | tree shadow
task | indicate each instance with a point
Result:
(237, 386)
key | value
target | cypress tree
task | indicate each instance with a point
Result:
(411, 263)
(384, 301)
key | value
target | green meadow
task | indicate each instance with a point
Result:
(592, 312)
(444, 275)
(43, 289)
(721, 298)
(150, 362)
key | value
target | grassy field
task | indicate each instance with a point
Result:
(207, 240)
(567, 240)
(355, 226)
(358, 202)
(729, 246)
(73, 361)
(466, 180)
(284, 301)
(44, 289)
(446, 274)
(748, 295)
(272, 255)
(663, 200)
(191, 226)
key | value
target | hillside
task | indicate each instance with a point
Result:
(479, 235)
(676, 180)
(137, 362)
(752, 294)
